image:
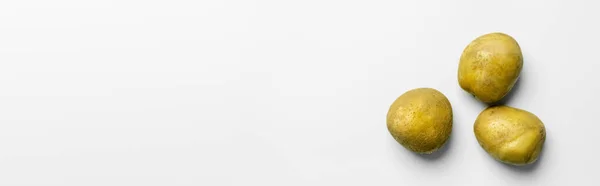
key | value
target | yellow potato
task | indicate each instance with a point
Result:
(489, 66)
(420, 120)
(510, 135)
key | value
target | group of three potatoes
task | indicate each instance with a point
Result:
(421, 119)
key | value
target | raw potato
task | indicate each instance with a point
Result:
(489, 66)
(420, 120)
(510, 135)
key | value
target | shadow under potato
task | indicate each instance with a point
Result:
(515, 89)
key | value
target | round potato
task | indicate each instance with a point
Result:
(420, 120)
(510, 135)
(489, 66)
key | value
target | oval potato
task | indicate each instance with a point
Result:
(420, 120)
(490, 66)
(510, 135)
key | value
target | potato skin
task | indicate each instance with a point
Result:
(510, 135)
(490, 66)
(420, 120)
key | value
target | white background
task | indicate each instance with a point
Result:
(271, 92)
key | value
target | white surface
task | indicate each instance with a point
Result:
(237, 92)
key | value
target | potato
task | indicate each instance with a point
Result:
(489, 66)
(420, 120)
(510, 135)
